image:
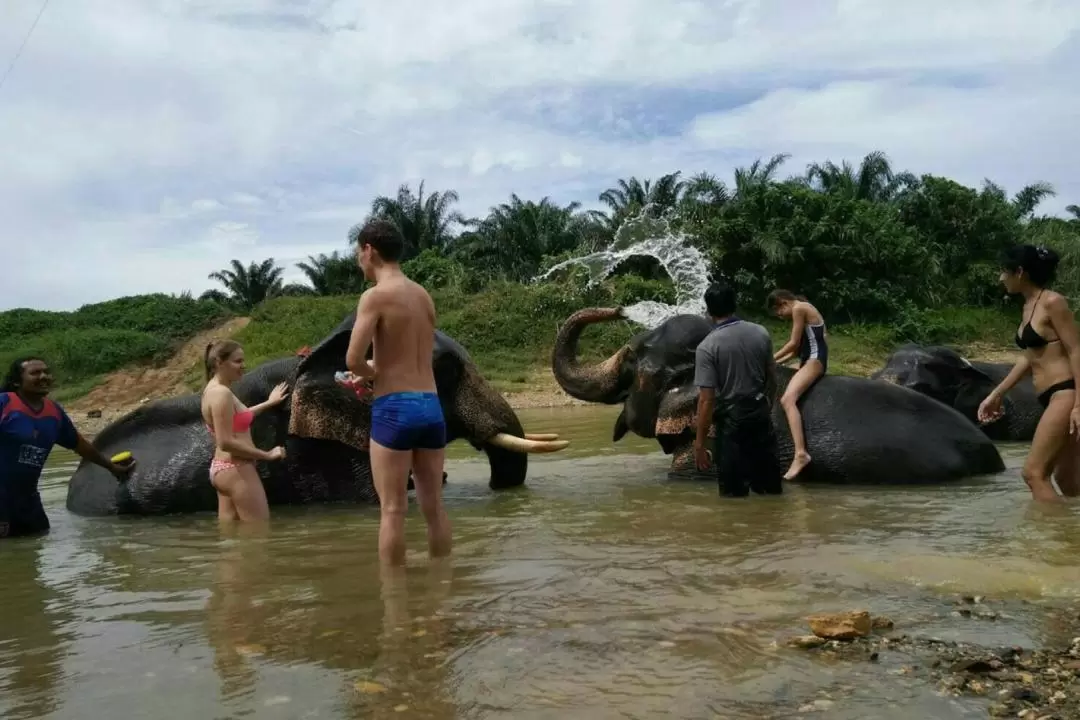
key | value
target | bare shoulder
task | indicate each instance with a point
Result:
(216, 395)
(1056, 302)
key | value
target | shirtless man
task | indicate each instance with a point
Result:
(407, 427)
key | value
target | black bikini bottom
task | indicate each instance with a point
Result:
(1045, 395)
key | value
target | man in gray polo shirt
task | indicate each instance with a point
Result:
(735, 374)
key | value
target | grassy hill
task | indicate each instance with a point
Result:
(508, 328)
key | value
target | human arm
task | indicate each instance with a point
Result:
(798, 326)
(1064, 323)
(87, 451)
(705, 380)
(222, 410)
(367, 319)
(70, 438)
(277, 396)
(990, 408)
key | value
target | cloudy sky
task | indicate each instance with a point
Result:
(144, 145)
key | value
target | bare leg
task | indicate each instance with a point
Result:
(1067, 472)
(241, 495)
(428, 476)
(390, 471)
(1051, 435)
(803, 378)
(249, 497)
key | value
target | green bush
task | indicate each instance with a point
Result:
(77, 354)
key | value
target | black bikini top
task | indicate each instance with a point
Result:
(1028, 337)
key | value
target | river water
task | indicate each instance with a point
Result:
(599, 591)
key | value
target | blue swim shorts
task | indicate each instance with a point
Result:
(408, 421)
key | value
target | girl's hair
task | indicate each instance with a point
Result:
(780, 295)
(217, 352)
(1038, 263)
(13, 378)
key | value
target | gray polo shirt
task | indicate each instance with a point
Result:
(735, 360)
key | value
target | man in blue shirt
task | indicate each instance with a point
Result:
(30, 425)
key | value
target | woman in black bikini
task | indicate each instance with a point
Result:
(1051, 344)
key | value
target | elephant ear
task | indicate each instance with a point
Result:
(621, 428)
(678, 411)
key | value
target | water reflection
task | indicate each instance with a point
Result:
(32, 635)
(598, 590)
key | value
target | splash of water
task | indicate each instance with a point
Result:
(652, 237)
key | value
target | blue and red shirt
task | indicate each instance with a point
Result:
(27, 437)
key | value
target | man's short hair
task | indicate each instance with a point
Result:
(385, 237)
(720, 299)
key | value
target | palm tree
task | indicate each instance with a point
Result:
(333, 274)
(251, 285)
(874, 180)
(1073, 210)
(631, 195)
(515, 236)
(425, 221)
(1023, 202)
(758, 175)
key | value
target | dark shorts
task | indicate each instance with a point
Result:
(408, 421)
(21, 513)
(745, 449)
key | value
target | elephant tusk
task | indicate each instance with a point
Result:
(523, 445)
(542, 436)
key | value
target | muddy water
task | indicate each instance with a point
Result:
(596, 592)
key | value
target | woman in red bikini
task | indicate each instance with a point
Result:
(232, 471)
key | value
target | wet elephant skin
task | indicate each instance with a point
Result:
(945, 375)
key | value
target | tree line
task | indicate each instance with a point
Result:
(866, 243)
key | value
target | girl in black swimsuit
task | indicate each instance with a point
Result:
(808, 341)
(1050, 342)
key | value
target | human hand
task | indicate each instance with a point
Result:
(702, 458)
(1074, 423)
(277, 453)
(279, 393)
(990, 409)
(122, 470)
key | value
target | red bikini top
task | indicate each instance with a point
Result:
(241, 421)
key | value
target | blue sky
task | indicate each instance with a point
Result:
(143, 148)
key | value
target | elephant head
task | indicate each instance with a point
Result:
(334, 424)
(652, 374)
(944, 375)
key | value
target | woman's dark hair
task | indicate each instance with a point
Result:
(1038, 263)
(217, 352)
(13, 378)
(780, 295)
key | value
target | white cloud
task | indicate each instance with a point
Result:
(143, 148)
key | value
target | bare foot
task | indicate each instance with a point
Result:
(800, 461)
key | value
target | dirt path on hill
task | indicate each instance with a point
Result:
(126, 389)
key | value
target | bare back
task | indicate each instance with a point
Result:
(404, 337)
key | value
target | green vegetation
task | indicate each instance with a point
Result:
(888, 256)
(98, 339)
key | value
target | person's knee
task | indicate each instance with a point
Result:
(789, 401)
(1033, 474)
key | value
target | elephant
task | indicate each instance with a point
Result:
(948, 377)
(859, 431)
(324, 428)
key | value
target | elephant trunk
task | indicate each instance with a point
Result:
(592, 383)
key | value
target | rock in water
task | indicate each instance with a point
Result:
(841, 626)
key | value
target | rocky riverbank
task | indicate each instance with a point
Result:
(1036, 684)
